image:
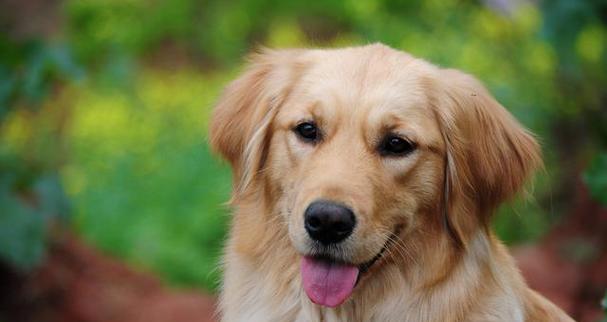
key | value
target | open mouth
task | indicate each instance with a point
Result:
(328, 282)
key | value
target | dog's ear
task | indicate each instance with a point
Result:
(489, 155)
(239, 128)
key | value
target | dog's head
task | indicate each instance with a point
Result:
(358, 147)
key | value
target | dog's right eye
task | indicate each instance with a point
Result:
(307, 131)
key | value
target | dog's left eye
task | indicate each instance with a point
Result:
(393, 145)
(307, 131)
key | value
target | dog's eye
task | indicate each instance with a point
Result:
(393, 145)
(307, 131)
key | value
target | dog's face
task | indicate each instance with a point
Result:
(358, 147)
(357, 154)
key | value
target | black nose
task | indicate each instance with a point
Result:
(329, 222)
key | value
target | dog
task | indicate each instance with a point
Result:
(364, 180)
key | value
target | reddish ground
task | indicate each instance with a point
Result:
(78, 284)
(569, 266)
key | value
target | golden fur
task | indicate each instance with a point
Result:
(431, 208)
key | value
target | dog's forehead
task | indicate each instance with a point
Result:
(376, 82)
(360, 67)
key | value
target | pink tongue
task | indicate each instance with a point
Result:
(327, 283)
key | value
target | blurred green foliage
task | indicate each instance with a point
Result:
(128, 140)
(31, 195)
(29, 69)
(595, 178)
(142, 177)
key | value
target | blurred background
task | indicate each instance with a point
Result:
(111, 204)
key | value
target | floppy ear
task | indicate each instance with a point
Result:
(240, 124)
(489, 154)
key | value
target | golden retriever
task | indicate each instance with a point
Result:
(364, 182)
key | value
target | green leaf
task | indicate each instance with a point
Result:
(22, 233)
(595, 178)
(7, 87)
(64, 63)
(53, 202)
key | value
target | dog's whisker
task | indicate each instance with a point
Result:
(395, 243)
